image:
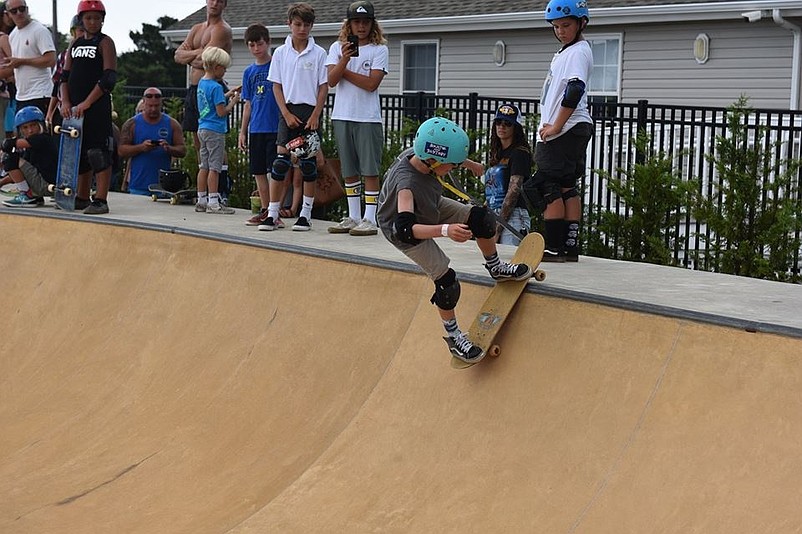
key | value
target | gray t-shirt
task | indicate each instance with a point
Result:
(426, 190)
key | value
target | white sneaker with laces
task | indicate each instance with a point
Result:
(365, 227)
(343, 227)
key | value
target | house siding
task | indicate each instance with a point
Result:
(750, 59)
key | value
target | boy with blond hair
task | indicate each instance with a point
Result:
(212, 127)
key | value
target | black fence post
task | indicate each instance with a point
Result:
(641, 122)
(473, 118)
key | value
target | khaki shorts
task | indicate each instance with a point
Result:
(36, 182)
(428, 254)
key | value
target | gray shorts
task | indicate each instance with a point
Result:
(34, 178)
(428, 254)
(359, 145)
(212, 150)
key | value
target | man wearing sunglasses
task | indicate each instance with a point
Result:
(150, 140)
(33, 54)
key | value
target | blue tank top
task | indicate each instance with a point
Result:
(145, 167)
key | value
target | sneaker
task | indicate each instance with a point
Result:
(200, 207)
(220, 209)
(257, 219)
(97, 207)
(553, 256)
(365, 227)
(81, 203)
(268, 225)
(22, 200)
(301, 225)
(10, 190)
(343, 227)
(462, 348)
(569, 257)
(509, 271)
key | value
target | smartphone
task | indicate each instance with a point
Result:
(354, 40)
(155, 141)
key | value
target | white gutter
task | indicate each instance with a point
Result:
(796, 57)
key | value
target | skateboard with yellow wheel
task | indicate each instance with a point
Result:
(501, 300)
(69, 156)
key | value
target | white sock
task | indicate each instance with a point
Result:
(273, 209)
(371, 201)
(202, 197)
(214, 199)
(353, 192)
(306, 207)
(23, 186)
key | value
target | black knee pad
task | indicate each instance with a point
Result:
(482, 222)
(571, 193)
(281, 166)
(308, 168)
(446, 291)
(11, 161)
(99, 159)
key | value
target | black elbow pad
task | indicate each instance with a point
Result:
(404, 222)
(108, 80)
(573, 93)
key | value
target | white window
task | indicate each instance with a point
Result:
(605, 81)
(419, 66)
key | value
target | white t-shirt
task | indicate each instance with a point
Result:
(576, 61)
(300, 74)
(34, 40)
(353, 103)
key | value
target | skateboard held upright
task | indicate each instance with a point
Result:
(69, 156)
(502, 298)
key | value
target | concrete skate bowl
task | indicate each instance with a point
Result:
(161, 383)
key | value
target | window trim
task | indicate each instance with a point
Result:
(610, 37)
(402, 69)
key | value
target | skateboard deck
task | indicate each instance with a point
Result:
(69, 155)
(185, 196)
(502, 299)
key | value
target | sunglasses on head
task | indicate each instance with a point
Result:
(152, 95)
(15, 10)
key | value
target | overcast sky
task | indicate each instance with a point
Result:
(122, 16)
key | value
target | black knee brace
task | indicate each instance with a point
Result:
(281, 166)
(11, 161)
(571, 193)
(99, 159)
(482, 222)
(446, 291)
(308, 168)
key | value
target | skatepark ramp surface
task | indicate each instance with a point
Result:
(153, 382)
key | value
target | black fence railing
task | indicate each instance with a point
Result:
(687, 134)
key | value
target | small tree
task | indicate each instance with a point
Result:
(754, 225)
(655, 197)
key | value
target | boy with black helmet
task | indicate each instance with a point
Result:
(413, 212)
(565, 130)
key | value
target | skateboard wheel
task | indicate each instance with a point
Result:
(173, 200)
(51, 188)
(494, 351)
(540, 275)
(74, 134)
(67, 191)
(154, 198)
(57, 129)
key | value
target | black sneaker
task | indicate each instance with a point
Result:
(81, 203)
(509, 271)
(302, 225)
(268, 225)
(553, 256)
(462, 348)
(96, 207)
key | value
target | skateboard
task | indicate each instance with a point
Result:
(182, 196)
(69, 155)
(502, 299)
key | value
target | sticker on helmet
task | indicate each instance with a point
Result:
(435, 150)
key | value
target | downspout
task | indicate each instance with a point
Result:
(796, 58)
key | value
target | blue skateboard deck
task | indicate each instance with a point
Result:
(69, 156)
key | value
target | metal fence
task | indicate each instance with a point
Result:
(687, 134)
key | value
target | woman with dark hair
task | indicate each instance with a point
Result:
(509, 166)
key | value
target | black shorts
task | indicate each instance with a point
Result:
(561, 161)
(261, 152)
(191, 114)
(285, 134)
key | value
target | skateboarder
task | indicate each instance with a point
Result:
(412, 213)
(30, 158)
